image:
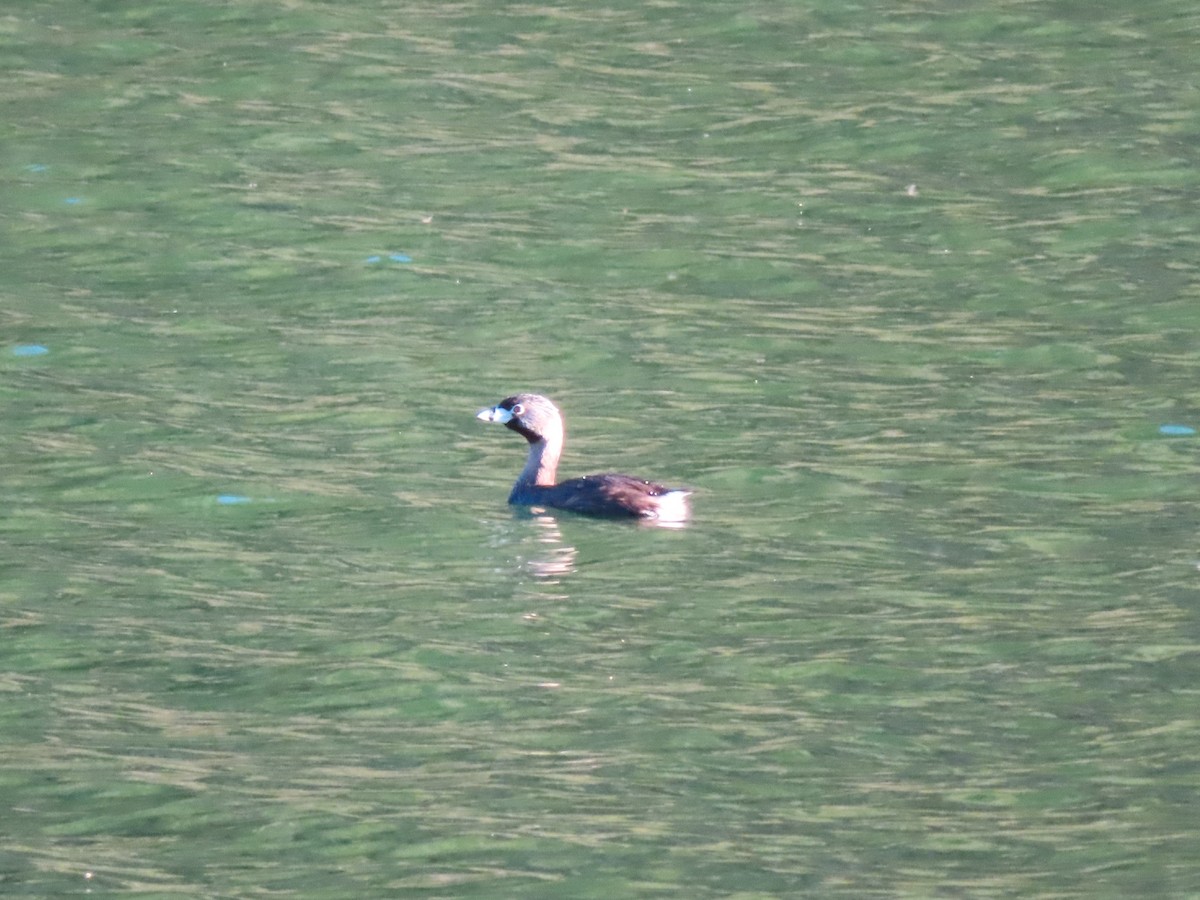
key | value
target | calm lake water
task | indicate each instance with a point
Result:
(905, 291)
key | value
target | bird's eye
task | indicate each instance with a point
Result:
(518, 409)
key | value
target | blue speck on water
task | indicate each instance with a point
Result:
(400, 257)
(73, 201)
(36, 167)
(1176, 430)
(231, 499)
(373, 259)
(30, 350)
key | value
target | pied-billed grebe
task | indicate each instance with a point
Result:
(538, 420)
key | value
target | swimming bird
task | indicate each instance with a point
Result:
(539, 421)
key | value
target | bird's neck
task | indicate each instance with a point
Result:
(541, 467)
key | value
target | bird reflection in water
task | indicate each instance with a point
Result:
(559, 558)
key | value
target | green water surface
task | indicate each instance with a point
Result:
(904, 291)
